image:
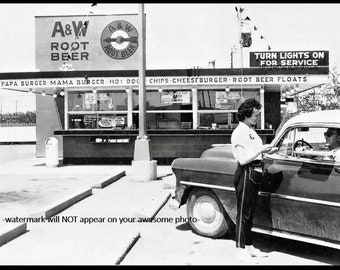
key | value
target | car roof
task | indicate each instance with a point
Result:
(326, 117)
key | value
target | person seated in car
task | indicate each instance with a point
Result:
(332, 151)
(332, 136)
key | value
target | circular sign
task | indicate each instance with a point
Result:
(119, 40)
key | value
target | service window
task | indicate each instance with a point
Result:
(100, 101)
(165, 109)
(96, 110)
(217, 108)
(168, 100)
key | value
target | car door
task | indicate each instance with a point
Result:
(301, 193)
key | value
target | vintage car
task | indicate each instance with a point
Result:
(299, 198)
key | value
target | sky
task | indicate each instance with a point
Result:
(179, 35)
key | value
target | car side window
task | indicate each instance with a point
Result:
(310, 144)
(304, 143)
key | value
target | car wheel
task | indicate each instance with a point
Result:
(206, 214)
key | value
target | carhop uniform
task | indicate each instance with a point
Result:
(246, 181)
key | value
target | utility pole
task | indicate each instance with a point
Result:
(232, 51)
(231, 58)
(241, 48)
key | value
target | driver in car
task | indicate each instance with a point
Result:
(333, 143)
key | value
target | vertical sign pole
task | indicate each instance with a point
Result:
(142, 98)
(143, 167)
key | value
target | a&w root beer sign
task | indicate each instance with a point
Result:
(96, 42)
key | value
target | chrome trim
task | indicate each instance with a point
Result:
(296, 237)
(206, 185)
(299, 199)
(263, 193)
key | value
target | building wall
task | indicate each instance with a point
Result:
(49, 118)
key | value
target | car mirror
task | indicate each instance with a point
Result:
(337, 168)
(273, 150)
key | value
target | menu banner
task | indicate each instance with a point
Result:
(166, 81)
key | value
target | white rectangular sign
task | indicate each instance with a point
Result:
(175, 97)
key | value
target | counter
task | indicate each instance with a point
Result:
(111, 146)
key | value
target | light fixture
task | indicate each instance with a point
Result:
(62, 93)
(261, 90)
(94, 91)
(43, 93)
(292, 91)
(30, 91)
(297, 88)
(55, 95)
(160, 90)
(79, 95)
(127, 90)
(227, 89)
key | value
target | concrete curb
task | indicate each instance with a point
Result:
(106, 182)
(63, 204)
(133, 241)
(150, 215)
(11, 232)
(163, 202)
(153, 212)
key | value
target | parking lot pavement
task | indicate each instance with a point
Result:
(27, 184)
(28, 188)
(97, 230)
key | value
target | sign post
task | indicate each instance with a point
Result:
(144, 168)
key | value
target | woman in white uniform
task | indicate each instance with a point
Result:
(247, 149)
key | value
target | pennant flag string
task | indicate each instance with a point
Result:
(243, 22)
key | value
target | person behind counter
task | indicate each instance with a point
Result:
(247, 149)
